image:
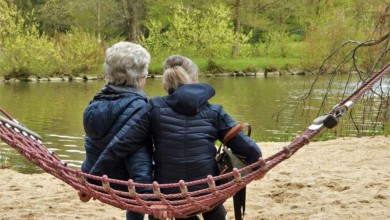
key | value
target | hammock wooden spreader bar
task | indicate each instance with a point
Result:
(180, 205)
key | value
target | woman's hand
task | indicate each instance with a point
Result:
(161, 215)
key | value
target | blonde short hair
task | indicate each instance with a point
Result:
(126, 63)
(179, 70)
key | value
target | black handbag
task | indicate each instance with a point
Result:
(226, 161)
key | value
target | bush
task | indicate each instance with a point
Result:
(192, 32)
(79, 53)
(25, 52)
(277, 44)
(213, 67)
(28, 55)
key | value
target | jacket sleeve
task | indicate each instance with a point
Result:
(241, 144)
(130, 139)
(139, 167)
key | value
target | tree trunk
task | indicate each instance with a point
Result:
(133, 25)
(134, 11)
(98, 20)
(237, 27)
(129, 18)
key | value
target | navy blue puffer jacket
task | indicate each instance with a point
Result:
(104, 117)
(184, 127)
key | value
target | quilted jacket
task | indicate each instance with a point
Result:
(184, 127)
(104, 117)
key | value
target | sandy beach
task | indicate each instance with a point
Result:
(346, 178)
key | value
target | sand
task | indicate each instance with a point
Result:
(346, 178)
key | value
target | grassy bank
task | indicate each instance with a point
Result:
(219, 65)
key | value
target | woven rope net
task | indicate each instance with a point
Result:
(180, 205)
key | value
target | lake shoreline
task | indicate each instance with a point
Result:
(101, 77)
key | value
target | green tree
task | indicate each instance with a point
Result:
(79, 52)
(205, 32)
(23, 50)
(134, 11)
(55, 16)
(97, 16)
(259, 17)
(24, 6)
(330, 23)
(163, 10)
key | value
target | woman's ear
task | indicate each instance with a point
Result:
(142, 83)
(195, 79)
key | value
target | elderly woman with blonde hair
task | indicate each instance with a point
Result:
(184, 127)
(126, 69)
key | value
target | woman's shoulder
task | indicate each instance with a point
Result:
(157, 101)
(215, 107)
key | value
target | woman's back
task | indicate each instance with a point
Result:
(107, 113)
(184, 143)
(184, 129)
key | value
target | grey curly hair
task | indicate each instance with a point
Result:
(126, 63)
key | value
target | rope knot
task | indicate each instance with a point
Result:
(305, 139)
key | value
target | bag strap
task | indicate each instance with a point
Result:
(234, 131)
(240, 197)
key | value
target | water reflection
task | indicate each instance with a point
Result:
(271, 105)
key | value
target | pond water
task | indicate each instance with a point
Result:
(54, 109)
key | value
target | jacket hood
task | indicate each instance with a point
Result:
(188, 99)
(112, 92)
(108, 108)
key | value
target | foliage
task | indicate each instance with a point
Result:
(333, 24)
(4, 162)
(229, 64)
(161, 10)
(284, 29)
(79, 52)
(102, 17)
(24, 51)
(54, 17)
(277, 44)
(213, 67)
(157, 42)
(244, 39)
(192, 31)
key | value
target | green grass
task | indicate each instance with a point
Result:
(4, 161)
(232, 64)
(253, 57)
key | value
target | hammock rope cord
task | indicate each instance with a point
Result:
(180, 205)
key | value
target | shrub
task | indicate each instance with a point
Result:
(277, 44)
(79, 52)
(23, 50)
(213, 67)
(192, 32)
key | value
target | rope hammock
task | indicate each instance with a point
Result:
(180, 205)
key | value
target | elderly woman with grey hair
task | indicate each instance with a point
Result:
(184, 127)
(126, 69)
